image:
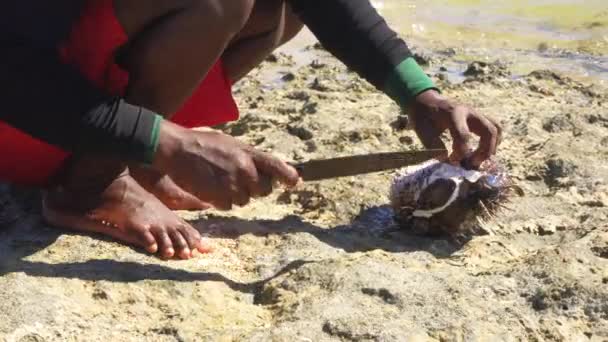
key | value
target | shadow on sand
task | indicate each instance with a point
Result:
(372, 229)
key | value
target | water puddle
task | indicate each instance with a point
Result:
(569, 36)
(566, 35)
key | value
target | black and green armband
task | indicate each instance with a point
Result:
(152, 146)
(407, 81)
(120, 129)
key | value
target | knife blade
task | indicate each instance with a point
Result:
(362, 164)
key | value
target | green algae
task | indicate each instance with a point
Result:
(531, 32)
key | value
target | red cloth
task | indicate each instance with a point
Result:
(91, 48)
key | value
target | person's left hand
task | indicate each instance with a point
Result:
(432, 114)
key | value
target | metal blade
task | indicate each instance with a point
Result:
(356, 165)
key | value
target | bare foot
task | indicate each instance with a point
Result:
(163, 187)
(119, 207)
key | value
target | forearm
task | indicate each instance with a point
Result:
(354, 32)
(53, 103)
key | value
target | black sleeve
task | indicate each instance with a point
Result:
(354, 32)
(52, 102)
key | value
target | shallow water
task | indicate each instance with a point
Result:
(567, 35)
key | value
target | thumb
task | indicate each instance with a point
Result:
(427, 132)
(276, 168)
(461, 135)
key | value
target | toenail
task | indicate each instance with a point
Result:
(153, 248)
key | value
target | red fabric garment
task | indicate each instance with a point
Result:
(91, 49)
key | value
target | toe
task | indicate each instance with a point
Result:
(181, 246)
(193, 237)
(146, 239)
(205, 246)
(165, 245)
(149, 242)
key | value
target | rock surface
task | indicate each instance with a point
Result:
(325, 262)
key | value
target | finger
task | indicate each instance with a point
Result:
(236, 189)
(222, 204)
(240, 196)
(205, 206)
(165, 245)
(461, 135)
(488, 134)
(427, 132)
(265, 186)
(250, 179)
(222, 198)
(181, 246)
(276, 168)
(498, 128)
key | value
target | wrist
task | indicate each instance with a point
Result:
(170, 140)
(407, 81)
(153, 140)
(431, 103)
(429, 96)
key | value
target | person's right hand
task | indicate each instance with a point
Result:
(217, 168)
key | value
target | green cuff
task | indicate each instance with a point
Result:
(154, 140)
(407, 81)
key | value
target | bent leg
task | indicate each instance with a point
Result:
(173, 44)
(169, 52)
(271, 24)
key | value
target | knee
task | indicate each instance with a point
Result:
(293, 25)
(237, 12)
(231, 15)
(277, 22)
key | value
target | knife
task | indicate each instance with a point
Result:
(320, 169)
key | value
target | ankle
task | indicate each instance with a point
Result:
(90, 175)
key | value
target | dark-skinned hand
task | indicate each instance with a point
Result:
(432, 114)
(217, 168)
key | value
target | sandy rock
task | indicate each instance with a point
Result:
(481, 69)
(326, 262)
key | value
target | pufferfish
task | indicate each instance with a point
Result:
(435, 198)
